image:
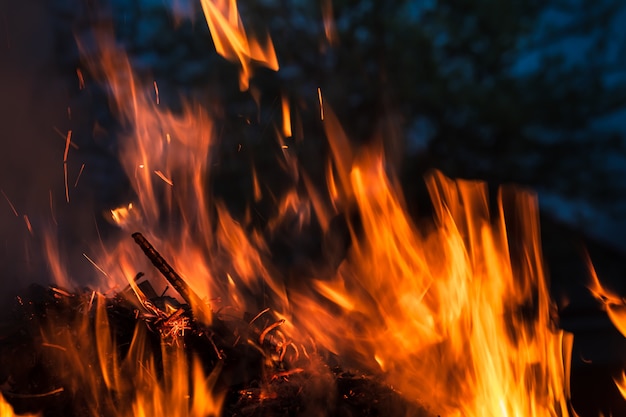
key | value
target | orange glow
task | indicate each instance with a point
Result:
(232, 42)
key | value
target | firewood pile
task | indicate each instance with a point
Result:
(261, 373)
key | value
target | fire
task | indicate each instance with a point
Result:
(134, 384)
(7, 411)
(615, 307)
(232, 42)
(453, 319)
(455, 315)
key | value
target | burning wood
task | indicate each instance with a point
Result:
(52, 325)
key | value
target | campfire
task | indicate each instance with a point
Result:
(447, 316)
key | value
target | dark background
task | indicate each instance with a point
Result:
(530, 92)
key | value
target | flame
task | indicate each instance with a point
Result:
(615, 307)
(232, 42)
(7, 411)
(130, 385)
(455, 320)
(455, 315)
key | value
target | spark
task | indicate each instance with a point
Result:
(82, 167)
(44, 394)
(81, 78)
(164, 178)
(319, 97)
(95, 265)
(93, 295)
(28, 225)
(52, 345)
(285, 147)
(10, 204)
(60, 291)
(286, 117)
(156, 92)
(64, 137)
(54, 219)
(69, 112)
(68, 140)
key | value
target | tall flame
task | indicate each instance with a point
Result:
(452, 318)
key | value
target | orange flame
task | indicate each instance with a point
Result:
(7, 411)
(615, 307)
(454, 315)
(443, 312)
(132, 385)
(232, 42)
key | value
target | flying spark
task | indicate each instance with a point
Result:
(164, 178)
(68, 140)
(95, 265)
(82, 167)
(10, 204)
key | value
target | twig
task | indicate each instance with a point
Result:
(168, 272)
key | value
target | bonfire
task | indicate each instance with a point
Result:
(449, 316)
